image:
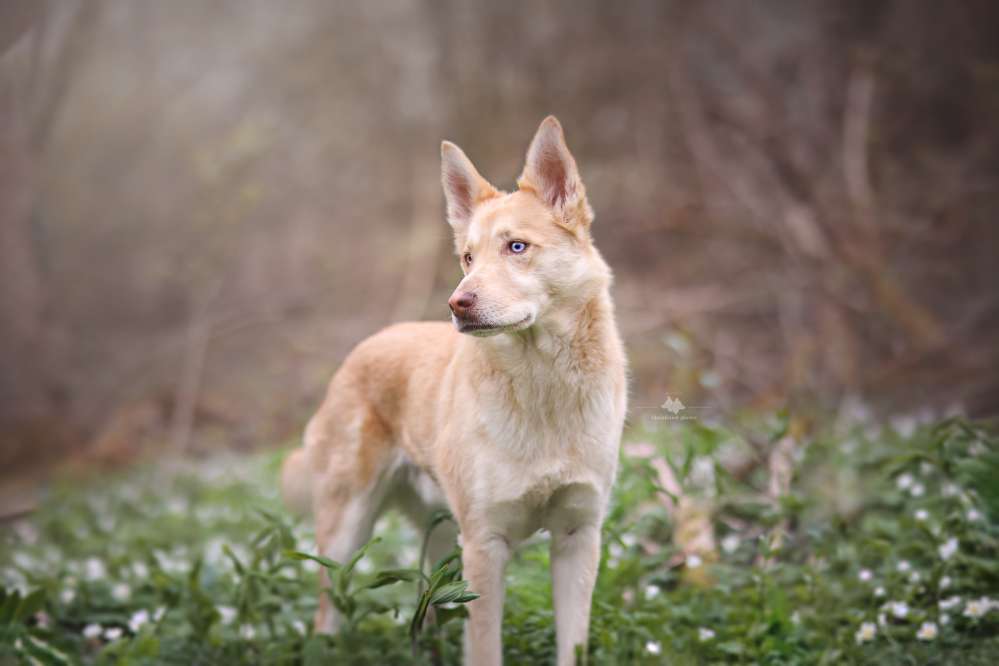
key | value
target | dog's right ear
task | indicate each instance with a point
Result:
(464, 188)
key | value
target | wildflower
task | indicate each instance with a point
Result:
(976, 608)
(94, 569)
(299, 627)
(866, 632)
(948, 548)
(654, 647)
(43, 619)
(973, 515)
(927, 631)
(917, 490)
(158, 614)
(651, 591)
(227, 613)
(950, 602)
(121, 592)
(67, 596)
(730, 543)
(24, 561)
(950, 489)
(904, 566)
(922, 515)
(140, 570)
(945, 582)
(879, 591)
(248, 632)
(903, 481)
(694, 560)
(944, 619)
(925, 468)
(914, 577)
(705, 634)
(899, 609)
(112, 634)
(795, 617)
(865, 575)
(92, 631)
(882, 620)
(138, 619)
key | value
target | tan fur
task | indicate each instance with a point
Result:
(515, 427)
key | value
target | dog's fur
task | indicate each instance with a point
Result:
(514, 426)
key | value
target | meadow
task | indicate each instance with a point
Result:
(884, 549)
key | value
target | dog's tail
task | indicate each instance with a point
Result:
(296, 482)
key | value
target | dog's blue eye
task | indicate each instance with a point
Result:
(517, 246)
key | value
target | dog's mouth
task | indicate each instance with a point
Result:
(474, 327)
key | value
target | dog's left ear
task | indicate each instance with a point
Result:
(551, 173)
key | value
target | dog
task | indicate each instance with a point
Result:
(510, 416)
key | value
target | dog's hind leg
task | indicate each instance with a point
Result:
(348, 498)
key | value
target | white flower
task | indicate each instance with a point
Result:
(948, 548)
(927, 631)
(24, 561)
(976, 608)
(922, 515)
(944, 619)
(945, 582)
(925, 468)
(654, 647)
(651, 591)
(865, 575)
(904, 566)
(903, 481)
(121, 592)
(92, 631)
(917, 490)
(950, 489)
(866, 632)
(158, 614)
(795, 617)
(248, 632)
(140, 570)
(299, 627)
(950, 602)
(705, 634)
(914, 577)
(899, 609)
(112, 633)
(973, 515)
(882, 620)
(228, 614)
(730, 543)
(138, 619)
(879, 591)
(67, 596)
(94, 569)
(694, 560)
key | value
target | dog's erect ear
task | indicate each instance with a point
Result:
(464, 188)
(551, 173)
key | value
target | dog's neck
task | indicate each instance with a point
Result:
(581, 339)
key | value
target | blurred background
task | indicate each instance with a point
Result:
(205, 205)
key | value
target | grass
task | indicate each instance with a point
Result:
(885, 550)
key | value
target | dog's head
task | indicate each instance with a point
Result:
(527, 255)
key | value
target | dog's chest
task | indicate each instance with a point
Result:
(543, 436)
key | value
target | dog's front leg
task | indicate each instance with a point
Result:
(484, 562)
(575, 558)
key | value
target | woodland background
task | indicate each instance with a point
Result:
(204, 205)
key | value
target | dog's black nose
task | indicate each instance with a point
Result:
(461, 303)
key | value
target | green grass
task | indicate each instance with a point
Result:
(185, 563)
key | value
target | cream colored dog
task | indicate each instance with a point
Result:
(514, 426)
